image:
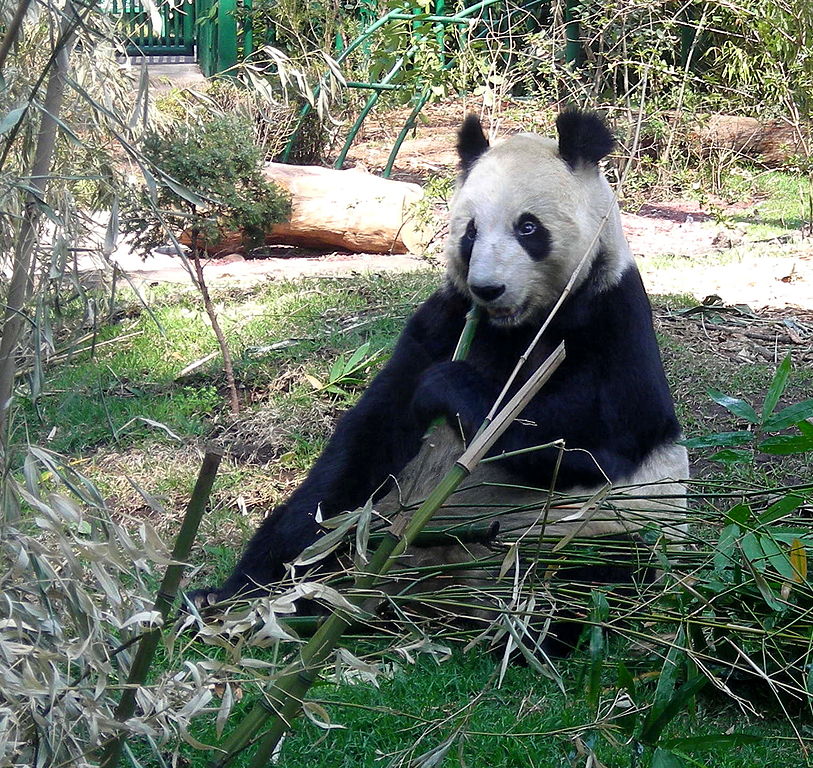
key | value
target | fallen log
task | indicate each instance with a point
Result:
(350, 210)
(774, 143)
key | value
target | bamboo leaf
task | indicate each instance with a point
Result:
(12, 118)
(314, 382)
(780, 509)
(224, 710)
(357, 356)
(337, 370)
(798, 560)
(776, 389)
(661, 714)
(740, 513)
(776, 557)
(112, 232)
(752, 551)
(733, 456)
(363, 533)
(67, 130)
(786, 445)
(719, 440)
(184, 192)
(324, 545)
(724, 551)
(789, 416)
(319, 716)
(762, 585)
(665, 759)
(669, 674)
(740, 408)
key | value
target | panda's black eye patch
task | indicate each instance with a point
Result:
(467, 241)
(532, 236)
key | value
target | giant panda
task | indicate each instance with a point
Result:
(526, 214)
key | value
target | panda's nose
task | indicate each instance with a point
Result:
(487, 292)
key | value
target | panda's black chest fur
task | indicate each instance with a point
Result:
(495, 352)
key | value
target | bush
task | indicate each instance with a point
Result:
(209, 182)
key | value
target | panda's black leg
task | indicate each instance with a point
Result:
(279, 539)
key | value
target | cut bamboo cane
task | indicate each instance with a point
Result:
(283, 701)
(163, 601)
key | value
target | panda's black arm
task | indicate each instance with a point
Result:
(372, 441)
(613, 419)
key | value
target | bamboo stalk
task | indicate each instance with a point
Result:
(19, 287)
(164, 600)
(284, 699)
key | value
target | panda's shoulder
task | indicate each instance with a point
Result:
(602, 306)
(444, 311)
(437, 323)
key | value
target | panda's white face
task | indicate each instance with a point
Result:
(521, 221)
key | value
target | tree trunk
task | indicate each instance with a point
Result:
(20, 285)
(349, 210)
(228, 366)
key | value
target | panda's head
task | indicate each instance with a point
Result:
(526, 212)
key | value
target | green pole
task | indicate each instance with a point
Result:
(573, 47)
(226, 30)
(440, 30)
(188, 10)
(409, 124)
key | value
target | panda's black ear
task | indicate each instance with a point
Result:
(471, 142)
(584, 137)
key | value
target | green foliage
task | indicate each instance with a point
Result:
(766, 432)
(209, 182)
(347, 372)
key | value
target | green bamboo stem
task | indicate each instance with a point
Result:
(284, 699)
(163, 601)
(461, 351)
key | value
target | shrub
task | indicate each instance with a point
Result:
(209, 181)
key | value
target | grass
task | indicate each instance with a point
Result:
(528, 721)
(91, 401)
(281, 333)
(782, 201)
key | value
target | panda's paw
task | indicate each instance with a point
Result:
(455, 391)
(206, 600)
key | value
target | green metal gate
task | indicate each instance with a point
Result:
(174, 37)
(222, 39)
